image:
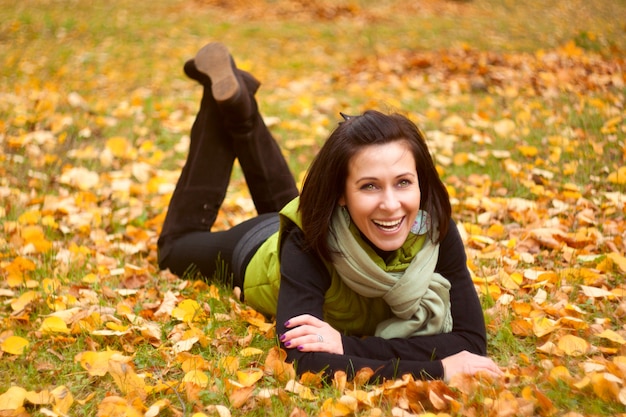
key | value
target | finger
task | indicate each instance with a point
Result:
(301, 320)
(303, 341)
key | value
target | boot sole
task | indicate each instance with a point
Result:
(215, 61)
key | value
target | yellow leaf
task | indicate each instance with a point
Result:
(618, 177)
(197, 377)
(297, 388)
(193, 362)
(95, 363)
(114, 406)
(336, 408)
(612, 336)
(63, 399)
(230, 364)
(249, 377)
(126, 379)
(527, 150)
(619, 260)
(560, 373)
(156, 408)
(29, 217)
(14, 345)
(187, 311)
(184, 345)
(604, 386)
(54, 325)
(543, 325)
(12, 399)
(40, 398)
(250, 351)
(504, 127)
(24, 300)
(50, 286)
(573, 345)
(119, 146)
(35, 236)
(460, 158)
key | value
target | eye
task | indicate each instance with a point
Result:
(368, 187)
(404, 183)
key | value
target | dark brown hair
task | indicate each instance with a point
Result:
(326, 179)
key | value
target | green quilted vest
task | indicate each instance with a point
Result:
(345, 310)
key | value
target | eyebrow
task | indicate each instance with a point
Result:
(410, 174)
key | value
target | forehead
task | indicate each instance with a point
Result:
(389, 156)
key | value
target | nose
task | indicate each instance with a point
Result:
(389, 200)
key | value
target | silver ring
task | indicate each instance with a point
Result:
(320, 339)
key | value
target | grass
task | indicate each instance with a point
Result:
(124, 59)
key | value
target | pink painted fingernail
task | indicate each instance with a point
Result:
(287, 324)
(300, 347)
(282, 337)
(287, 344)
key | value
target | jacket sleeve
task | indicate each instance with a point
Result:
(305, 280)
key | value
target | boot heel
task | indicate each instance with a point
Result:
(215, 61)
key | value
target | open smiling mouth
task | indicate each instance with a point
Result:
(391, 226)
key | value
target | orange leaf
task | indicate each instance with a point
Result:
(275, 365)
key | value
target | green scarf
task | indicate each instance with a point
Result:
(418, 296)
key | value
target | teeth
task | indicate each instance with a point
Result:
(388, 225)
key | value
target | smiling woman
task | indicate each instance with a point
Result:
(364, 269)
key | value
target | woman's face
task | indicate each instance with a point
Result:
(382, 193)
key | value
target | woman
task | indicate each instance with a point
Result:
(364, 269)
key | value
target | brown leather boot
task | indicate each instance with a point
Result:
(229, 85)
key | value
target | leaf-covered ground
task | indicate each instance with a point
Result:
(523, 106)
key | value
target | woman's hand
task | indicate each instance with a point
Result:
(310, 334)
(468, 363)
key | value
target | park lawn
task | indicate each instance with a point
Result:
(523, 107)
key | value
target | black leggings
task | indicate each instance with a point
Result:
(209, 253)
(186, 243)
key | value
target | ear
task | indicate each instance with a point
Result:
(342, 201)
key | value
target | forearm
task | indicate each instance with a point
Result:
(351, 364)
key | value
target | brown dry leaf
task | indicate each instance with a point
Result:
(275, 365)
(239, 396)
